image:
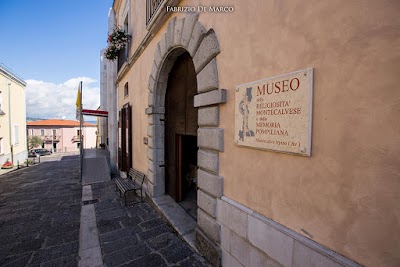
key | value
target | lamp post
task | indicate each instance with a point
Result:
(9, 122)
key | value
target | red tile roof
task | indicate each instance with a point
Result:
(55, 122)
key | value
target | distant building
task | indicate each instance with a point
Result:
(108, 127)
(62, 135)
(12, 117)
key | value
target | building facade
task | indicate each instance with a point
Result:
(12, 117)
(108, 102)
(281, 116)
(63, 135)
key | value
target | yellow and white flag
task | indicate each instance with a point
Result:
(78, 103)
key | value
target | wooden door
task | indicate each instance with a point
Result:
(120, 139)
(181, 120)
(126, 138)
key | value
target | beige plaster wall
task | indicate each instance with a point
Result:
(347, 193)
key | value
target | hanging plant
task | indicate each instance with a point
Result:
(117, 41)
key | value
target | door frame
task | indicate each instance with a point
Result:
(188, 34)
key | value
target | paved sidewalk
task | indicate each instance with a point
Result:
(137, 235)
(95, 167)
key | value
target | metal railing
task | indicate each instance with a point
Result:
(76, 138)
(151, 9)
(122, 57)
(50, 138)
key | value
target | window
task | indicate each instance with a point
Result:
(54, 132)
(42, 132)
(126, 90)
(123, 16)
(78, 145)
(78, 133)
(31, 130)
(16, 134)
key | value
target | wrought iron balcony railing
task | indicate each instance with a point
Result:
(51, 138)
(151, 9)
(76, 138)
(122, 57)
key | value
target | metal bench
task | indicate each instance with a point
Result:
(133, 182)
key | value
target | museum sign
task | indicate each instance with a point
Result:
(276, 113)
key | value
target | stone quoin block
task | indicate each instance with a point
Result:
(151, 130)
(208, 116)
(178, 31)
(157, 56)
(208, 49)
(154, 118)
(207, 78)
(211, 138)
(188, 26)
(210, 98)
(207, 203)
(229, 260)
(258, 258)
(151, 165)
(162, 43)
(305, 256)
(150, 100)
(156, 143)
(208, 160)
(209, 225)
(150, 176)
(210, 183)
(169, 36)
(150, 142)
(226, 238)
(240, 249)
(271, 241)
(232, 217)
(155, 110)
(208, 248)
(156, 155)
(197, 36)
(154, 70)
(152, 84)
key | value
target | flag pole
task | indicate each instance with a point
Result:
(80, 130)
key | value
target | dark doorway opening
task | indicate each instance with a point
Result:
(181, 134)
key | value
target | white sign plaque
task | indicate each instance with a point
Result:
(276, 113)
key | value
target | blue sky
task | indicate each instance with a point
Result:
(52, 44)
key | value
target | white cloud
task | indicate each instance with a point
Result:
(56, 101)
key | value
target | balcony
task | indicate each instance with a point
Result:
(151, 9)
(76, 139)
(51, 138)
(122, 57)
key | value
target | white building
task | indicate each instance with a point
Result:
(108, 127)
(12, 117)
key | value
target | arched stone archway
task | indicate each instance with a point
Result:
(188, 34)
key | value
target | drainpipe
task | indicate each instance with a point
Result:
(9, 122)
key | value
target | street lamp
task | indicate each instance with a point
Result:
(9, 121)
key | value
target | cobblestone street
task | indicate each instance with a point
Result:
(40, 215)
(40, 211)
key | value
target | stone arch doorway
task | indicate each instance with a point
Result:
(181, 133)
(188, 35)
